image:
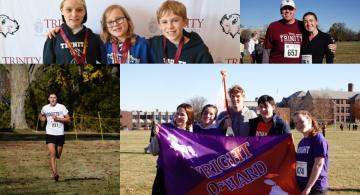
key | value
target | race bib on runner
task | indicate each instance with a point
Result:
(301, 169)
(291, 50)
(55, 125)
(306, 59)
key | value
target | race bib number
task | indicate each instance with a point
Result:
(291, 50)
(54, 124)
(301, 169)
(306, 59)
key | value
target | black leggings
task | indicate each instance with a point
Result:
(159, 183)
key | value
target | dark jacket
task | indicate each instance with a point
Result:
(279, 126)
(194, 51)
(318, 47)
(56, 51)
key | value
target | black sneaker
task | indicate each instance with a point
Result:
(56, 178)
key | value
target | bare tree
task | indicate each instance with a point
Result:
(20, 78)
(197, 103)
(321, 106)
(323, 109)
(294, 103)
(340, 32)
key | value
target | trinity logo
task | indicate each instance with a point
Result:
(231, 24)
(7, 25)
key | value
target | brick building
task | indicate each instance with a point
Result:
(327, 105)
(143, 120)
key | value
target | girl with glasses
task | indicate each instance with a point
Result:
(122, 45)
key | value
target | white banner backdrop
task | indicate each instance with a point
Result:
(25, 23)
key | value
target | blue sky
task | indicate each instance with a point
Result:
(262, 12)
(149, 87)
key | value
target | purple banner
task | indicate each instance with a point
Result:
(205, 164)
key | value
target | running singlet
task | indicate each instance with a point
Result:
(284, 40)
(52, 127)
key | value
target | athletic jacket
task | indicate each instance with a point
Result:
(194, 51)
(56, 51)
(279, 126)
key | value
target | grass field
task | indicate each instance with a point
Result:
(346, 53)
(137, 170)
(87, 165)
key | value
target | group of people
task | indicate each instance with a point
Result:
(255, 48)
(292, 41)
(312, 152)
(354, 126)
(289, 40)
(74, 43)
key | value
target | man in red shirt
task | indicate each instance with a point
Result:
(284, 37)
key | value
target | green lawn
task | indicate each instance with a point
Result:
(87, 166)
(137, 170)
(346, 53)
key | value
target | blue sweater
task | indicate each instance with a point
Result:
(140, 52)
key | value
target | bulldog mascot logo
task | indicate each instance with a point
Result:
(231, 24)
(8, 26)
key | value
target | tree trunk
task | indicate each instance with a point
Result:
(19, 83)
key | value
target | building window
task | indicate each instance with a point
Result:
(347, 109)
(342, 110)
(337, 118)
(337, 109)
(337, 101)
